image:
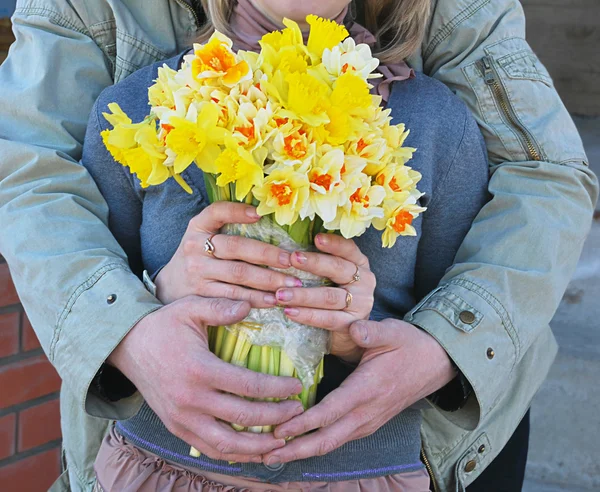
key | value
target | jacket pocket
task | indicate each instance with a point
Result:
(522, 113)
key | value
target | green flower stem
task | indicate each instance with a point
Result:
(229, 342)
(221, 332)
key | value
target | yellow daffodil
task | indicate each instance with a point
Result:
(395, 135)
(397, 178)
(373, 149)
(216, 59)
(283, 192)
(326, 186)
(198, 141)
(293, 147)
(290, 36)
(398, 218)
(306, 98)
(161, 92)
(362, 207)
(351, 93)
(236, 165)
(324, 34)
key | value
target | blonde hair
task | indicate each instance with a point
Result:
(398, 25)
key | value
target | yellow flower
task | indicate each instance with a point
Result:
(398, 218)
(339, 127)
(199, 141)
(397, 178)
(351, 93)
(350, 57)
(290, 36)
(122, 136)
(116, 116)
(293, 146)
(324, 33)
(284, 192)
(373, 149)
(161, 92)
(306, 98)
(237, 165)
(395, 136)
(362, 207)
(215, 59)
(326, 186)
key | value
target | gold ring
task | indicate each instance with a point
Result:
(348, 299)
(209, 247)
(355, 277)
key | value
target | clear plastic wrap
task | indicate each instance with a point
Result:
(304, 345)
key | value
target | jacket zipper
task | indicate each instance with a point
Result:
(429, 470)
(191, 10)
(491, 79)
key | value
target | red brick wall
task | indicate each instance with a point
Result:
(29, 410)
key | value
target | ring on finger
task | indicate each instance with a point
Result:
(355, 277)
(209, 247)
(348, 299)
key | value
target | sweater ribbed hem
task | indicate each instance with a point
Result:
(394, 448)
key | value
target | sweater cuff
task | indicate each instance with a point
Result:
(465, 320)
(98, 316)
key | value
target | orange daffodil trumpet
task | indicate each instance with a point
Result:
(294, 129)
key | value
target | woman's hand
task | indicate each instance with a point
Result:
(332, 308)
(234, 270)
(402, 364)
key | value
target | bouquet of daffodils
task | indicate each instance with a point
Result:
(293, 130)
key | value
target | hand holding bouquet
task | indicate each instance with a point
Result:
(293, 130)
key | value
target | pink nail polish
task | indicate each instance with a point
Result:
(300, 257)
(284, 295)
(292, 282)
(291, 311)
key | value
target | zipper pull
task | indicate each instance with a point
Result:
(488, 71)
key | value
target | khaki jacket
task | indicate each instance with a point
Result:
(510, 272)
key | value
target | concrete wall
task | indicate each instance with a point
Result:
(566, 36)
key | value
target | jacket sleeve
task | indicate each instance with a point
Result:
(518, 257)
(64, 261)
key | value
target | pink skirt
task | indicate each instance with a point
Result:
(123, 467)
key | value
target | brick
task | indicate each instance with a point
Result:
(33, 474)
(9, 334)
(27, 379)
(39, 425)
(8, 425)
(29, 340)
(8, 294)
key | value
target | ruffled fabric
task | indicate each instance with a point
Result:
(248, 25)
(122, 467)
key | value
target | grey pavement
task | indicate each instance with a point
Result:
(565, 415)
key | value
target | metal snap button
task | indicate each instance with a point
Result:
(275, 468)
(481, 449)
(467, 317)
(470, 466)
(490, 353)
(111, 299)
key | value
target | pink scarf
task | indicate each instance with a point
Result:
(248, 25)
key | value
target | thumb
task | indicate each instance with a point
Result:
(373, 334)
(204, 311)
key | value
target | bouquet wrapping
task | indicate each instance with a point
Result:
(293, 130)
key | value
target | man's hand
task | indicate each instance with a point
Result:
(401, 365)
(193, 392)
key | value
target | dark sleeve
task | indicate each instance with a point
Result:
(117, 187)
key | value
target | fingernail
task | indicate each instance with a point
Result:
(284, 295)
(300, 257)
(273, 461)
(322, 239)
(299, 409)
(284, 259)
(292, 282)
(289, 311)
(270, 299)
(280, 443)
(234, 309)
(256, 459)
(363, 333)
(251, 212)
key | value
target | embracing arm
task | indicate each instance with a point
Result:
(517, 259)
(64, 261)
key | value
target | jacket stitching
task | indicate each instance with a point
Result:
(497, 306)
(448, 28)
(86, 285)
(52, 16)
(141, 45)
